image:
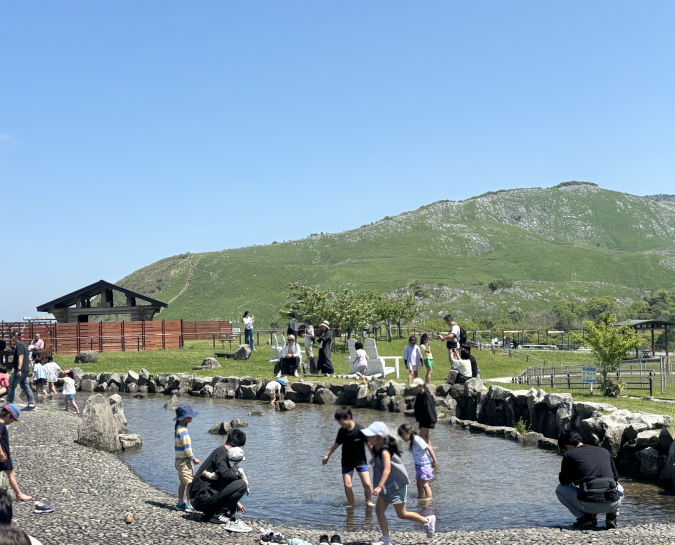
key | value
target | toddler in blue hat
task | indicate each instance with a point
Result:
(185, 460)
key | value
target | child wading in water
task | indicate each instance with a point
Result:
(69, 390)
(184, 457)
(424, 456)
(392, 481)
(353, 454)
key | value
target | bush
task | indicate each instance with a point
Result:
(522, 427)
(499, 284)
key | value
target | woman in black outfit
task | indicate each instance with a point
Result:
(425, 409)
(324, 365)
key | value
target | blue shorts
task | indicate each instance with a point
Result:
(70, 398)
(396, 496)
(363, 468)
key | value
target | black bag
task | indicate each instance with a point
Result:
(601, 489)
(462, 337)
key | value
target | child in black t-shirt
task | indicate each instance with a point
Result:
(353, 454)
(9, 414)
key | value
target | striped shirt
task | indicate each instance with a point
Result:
(183, 445)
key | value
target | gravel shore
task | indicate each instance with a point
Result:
(92, 491)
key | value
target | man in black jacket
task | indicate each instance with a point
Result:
(588, 482)
(217, 487)
(425, 409)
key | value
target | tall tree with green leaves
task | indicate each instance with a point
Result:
(609, 343)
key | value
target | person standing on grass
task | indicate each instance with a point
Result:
(308, 339)
(21, 374)
(69, 390)
(9, 414)
(325, 337)
(427, 358)
(391, 480)
(248, 329)
(412, 357)
(292, 325)
(425, 409)
(424, 457)
(185, 460)
(353, 454)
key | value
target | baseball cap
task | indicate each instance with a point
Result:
(18, 334)
(376, 428)
(236, 455)
(13, 410)
(282, 381)
(417, 382)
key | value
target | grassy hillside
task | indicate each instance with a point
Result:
(574, 240)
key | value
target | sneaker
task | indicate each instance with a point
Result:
(217, 518)
(584, 522)
(234, 525)
(370, 504)
(30, 407)
(181, 506)
(430, 526)
(296, 375)
(43, 508)
(335, 540)
(279, 374)
(323, 540)
(189, 508)
(610, 521)
(383, 541)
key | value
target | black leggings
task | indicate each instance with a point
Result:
(287, 366)
(227, 498)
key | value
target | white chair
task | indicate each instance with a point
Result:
(351, 344)
(277, 349)
(376, 363)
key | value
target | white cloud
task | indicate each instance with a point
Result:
(5, 138)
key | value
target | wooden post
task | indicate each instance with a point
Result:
(77, 333)
(124, 348)
(667, 356)
(181, 342)
(163, 336)
(143, 332)
(100, 336)
(653, 347)
(637, 348)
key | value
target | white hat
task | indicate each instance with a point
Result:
(236, 455)
(417, 382)
(376, 428)
(325, 322)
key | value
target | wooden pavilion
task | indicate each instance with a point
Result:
(650, 325)
(78, 305)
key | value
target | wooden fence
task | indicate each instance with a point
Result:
(118, 336)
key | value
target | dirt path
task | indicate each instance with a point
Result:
(187, 280)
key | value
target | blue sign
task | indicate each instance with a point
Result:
(589, 375)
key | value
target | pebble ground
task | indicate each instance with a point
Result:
(92, 491)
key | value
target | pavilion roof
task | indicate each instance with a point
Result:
(92, 290)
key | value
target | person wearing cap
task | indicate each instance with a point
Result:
(412, 357)
(425, 408)
(291, 356)
(236, 456)
(185, 460)
(21, 374)
(325, 337)
(9, 414)
(217, 487)
(68, 390)
(391, 481)
(276, 387)
(308, 339)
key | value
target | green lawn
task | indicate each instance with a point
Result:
(492, 365)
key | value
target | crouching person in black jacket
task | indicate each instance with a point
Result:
(589, 482)
(217, 487)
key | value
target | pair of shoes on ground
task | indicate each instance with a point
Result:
(231, 525)
(29, 407)
(335, 540)
(184, 506)
(591, 521)
(270, 537)
(42, 508)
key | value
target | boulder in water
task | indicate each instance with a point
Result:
(99, 427)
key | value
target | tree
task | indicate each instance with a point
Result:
(566, 312)
(499, 284)
(598, 305)
(609, 343)
(391, 311)
(355, 311)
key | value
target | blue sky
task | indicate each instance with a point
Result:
(132, 131)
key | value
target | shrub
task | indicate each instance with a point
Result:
(522, 427)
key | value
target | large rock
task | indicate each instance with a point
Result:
(395, 389)
(324, 396)
(143, 377)
(473, 386)
(99, 428)
(667, 477)
(651, 462)
(88, 356)
(457, 391)
(222, 428)
(666, 437)
(88, 385)
(554, 400)
(627, 462)
(113, 378)
(653, 420)
(209, 363)
(243, 352)
(117, 407)
(130, 440)
(548, 444)
(362, 396)
(239, 423)
(199, 383)
(78, 374)
(91, 376)
(248, 391)
(497, 393)
(207, 391)
(103, 387)
(285, 405)
(648, 438)
(132, 388)
(173, 403)
(220, 390)
(585, 409)
(564, 416)
(531, 439)
(633, 430)
(383, 402)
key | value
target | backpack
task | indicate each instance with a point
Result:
(462, 336)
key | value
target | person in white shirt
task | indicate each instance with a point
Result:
(361, 361)
(308, 339)
(461, 370)
(412, 356)
(69, 390)
(248, 329)
(291, 355)
(37, 344)
(424, 458)
(452, 338)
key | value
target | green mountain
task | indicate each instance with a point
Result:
(574, 240)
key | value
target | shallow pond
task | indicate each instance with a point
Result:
(481, 482)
